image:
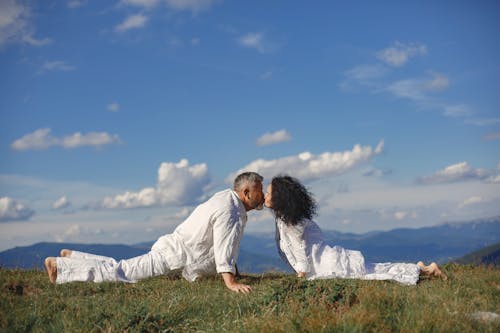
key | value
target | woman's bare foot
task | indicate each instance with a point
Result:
(51, 267)
(425, 270)
(65, 253)
(436, 271)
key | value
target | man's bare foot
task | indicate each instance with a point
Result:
(51, 267)
(65, 253)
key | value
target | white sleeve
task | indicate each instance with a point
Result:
(299, 248)
(227, 234)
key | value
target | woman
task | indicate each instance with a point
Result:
(300, 242)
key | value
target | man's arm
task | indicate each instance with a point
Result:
(231, 283)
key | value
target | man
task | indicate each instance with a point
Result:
(206, 242)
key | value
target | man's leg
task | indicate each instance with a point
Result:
(148, 265)
(98, 269)
(84, 255)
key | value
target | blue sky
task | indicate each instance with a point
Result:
(118, 117)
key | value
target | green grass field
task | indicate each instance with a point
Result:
(279, 303)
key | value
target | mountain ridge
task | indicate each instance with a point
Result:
(258, 253)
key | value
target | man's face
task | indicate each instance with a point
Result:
(255, 197)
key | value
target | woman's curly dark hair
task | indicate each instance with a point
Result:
(291, 201)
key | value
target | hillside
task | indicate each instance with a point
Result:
(489, 255)
(468, 302)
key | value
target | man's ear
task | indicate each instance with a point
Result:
(246, 192)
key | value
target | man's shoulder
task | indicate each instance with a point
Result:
(226, 200)
(224, 195)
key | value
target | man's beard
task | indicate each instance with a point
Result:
(259, 206)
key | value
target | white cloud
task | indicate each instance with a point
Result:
(456, 173)
(438, 82)
(471, 201)
(399, 54)
(401, 215)
(16, 26)
(94, 139)
(132, 22)
(410, 88)
(307, 166)
(113, 107)
(252, 40)
(71, 233)
(257, 41)
(483, 121)
(61, 203)
(194, 6)
(29, 39)
(57, 65)
(422, 205)
(191, 5)
(42, 139)
(141, 3)
(76, 3)
(12, 210)
(363, 75)
(182, 214)
(178, 184)
(417, 89)
(459, 110)
(273, 138)
(373, 172)
(494, 179)
(421, 90)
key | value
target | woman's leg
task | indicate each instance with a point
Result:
(431, 270)
(437, 272)
(65, 253)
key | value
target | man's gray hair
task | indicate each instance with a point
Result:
(247, 177)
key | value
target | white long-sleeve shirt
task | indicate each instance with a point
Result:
(208, 241)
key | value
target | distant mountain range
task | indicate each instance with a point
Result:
(489, 255)
(258, 253)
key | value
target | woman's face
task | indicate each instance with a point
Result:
(268, 197)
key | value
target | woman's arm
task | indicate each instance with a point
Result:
(298, 246)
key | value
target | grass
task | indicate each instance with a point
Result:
(279, 303)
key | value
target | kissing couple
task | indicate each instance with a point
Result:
(208, 243)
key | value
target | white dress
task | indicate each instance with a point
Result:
(304, 248)
(207, 242)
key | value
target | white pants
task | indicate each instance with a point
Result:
(92, 268)
(167, 254)
(404, 273)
